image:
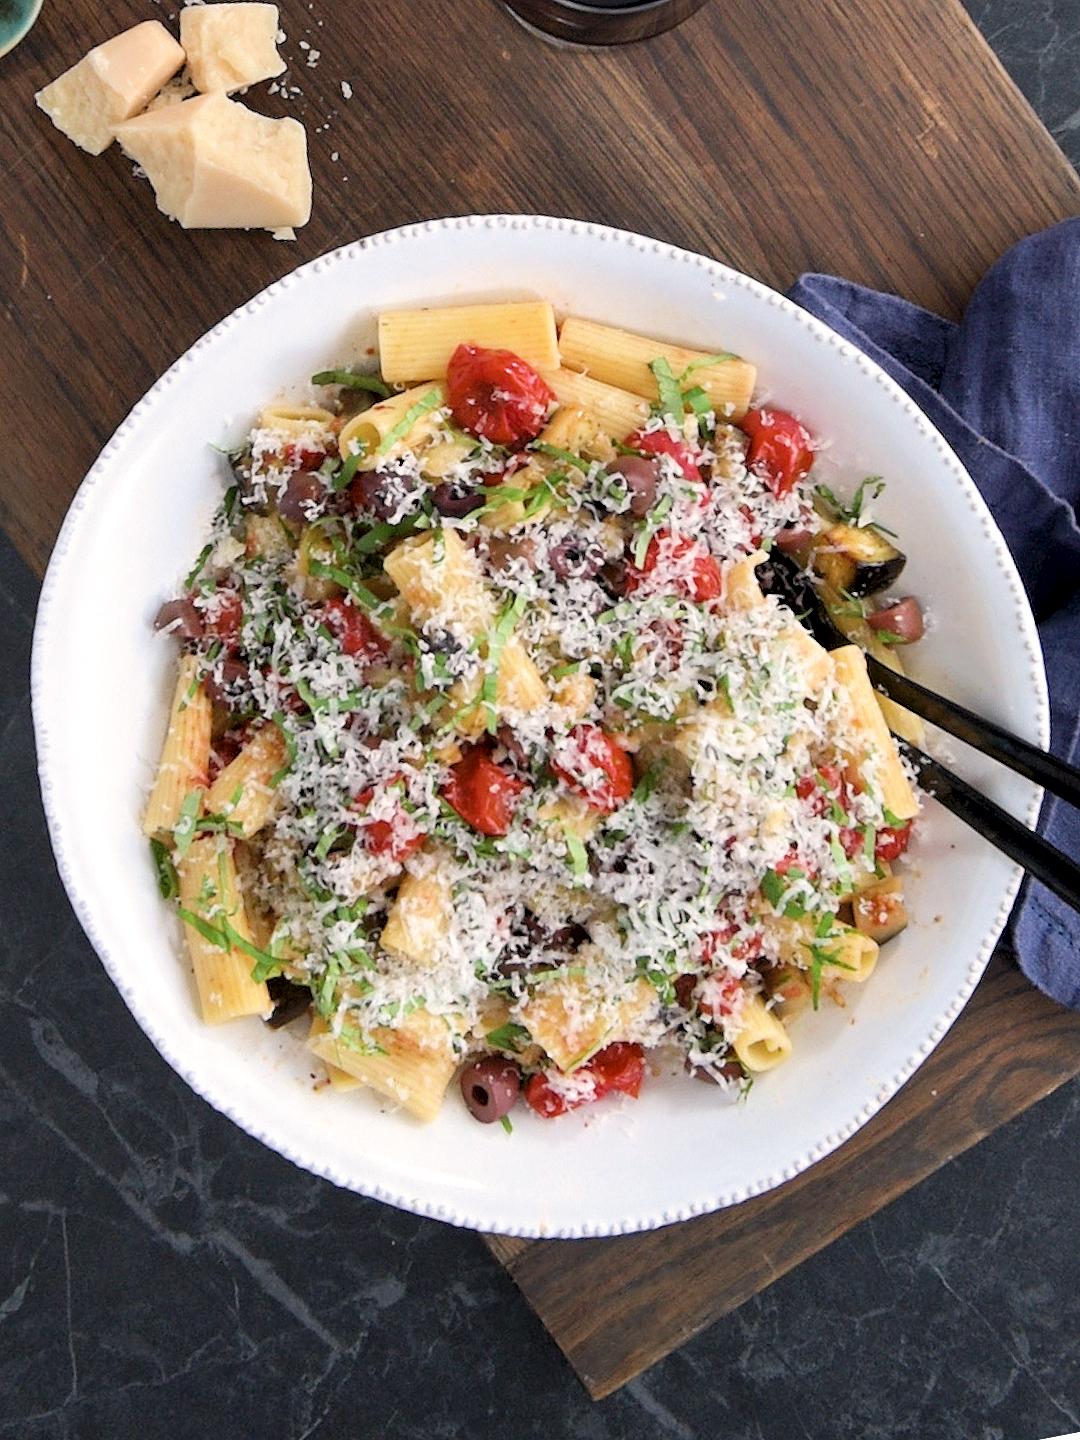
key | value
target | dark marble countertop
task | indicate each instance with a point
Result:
(163, 1277)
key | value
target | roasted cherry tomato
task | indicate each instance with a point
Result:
(719, 995)
(397, 837)
(892, 841)
(619, 1067)
(223, 616)
(595, 766)
(747, 949)
(659, 442)
(303, 457)
(482, 793)
(821, 785)
(354, 630)
(780, 451)
(497, 395)
(676, 565)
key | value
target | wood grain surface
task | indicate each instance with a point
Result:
(879, 141)
(876, 140)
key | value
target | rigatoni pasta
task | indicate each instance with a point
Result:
(493, 750)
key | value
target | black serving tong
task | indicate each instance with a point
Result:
(784, 577)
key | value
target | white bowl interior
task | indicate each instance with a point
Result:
(101, 680)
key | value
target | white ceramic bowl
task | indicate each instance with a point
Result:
(101, 678)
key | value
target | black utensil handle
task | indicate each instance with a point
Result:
(1010, 836)
(990, 739)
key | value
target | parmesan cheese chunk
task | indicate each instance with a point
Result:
(215, 164)
(229, 46)
(111, 83)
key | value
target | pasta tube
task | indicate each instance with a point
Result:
(615, 411)
(762, 1042)
(210, 893)
(370, 432)
(242, 791)
(869, 742)
(185, 756)
(416, 1064)
(620, 358)
(414, 344)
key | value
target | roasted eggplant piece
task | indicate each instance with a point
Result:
(879, 912)
(857, 559)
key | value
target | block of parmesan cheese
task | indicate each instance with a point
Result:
(214, 163)
(230, 45)
(111, 83)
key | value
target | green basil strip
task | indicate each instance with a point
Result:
(167, 879)
(669, 396)
(353, 380)
(431, 401)
(208, 932)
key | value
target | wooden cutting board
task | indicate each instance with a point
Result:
(875, 140)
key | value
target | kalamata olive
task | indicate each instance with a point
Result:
(642, 477)
(729, 1070)
(795, 539)
(304, 490)
(515, 750)
(222, 680)
(381, 494)
(904, 620)
(613, 578)
(290, 1001)
(573, 560)
(568, 937)
(455, 501)
(504, 549)
(490, 1087)
(685, 985)
(181, 618)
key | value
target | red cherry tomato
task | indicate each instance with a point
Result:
(748, 949)
(720, 995)
(354, 630)
(482, 793)
(397, 837)
(892, 841)
(851, 841)
(821, 784)
(595, 766)
(676, 565)
(223, 616)
(302, 457)
(779, 450)
(497, 395)
(659, 442)
(619, 1067)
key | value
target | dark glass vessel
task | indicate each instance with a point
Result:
(602, 22)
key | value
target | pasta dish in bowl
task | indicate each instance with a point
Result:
(501, 781)
(487, 750)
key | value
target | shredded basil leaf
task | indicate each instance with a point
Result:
(669, 396)
(208, 932)
(197, 568)
(167, 879)
(184, 830)
(720, 358)
(556, 453)
(353, 380)
(431, 401)
(360, 593)
(510, 1036)
(579, 859)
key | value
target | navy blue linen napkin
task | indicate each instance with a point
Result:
(1003, 387)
